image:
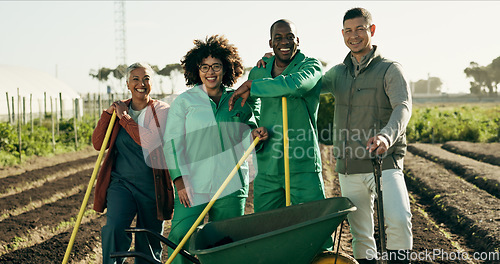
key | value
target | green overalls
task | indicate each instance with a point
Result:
(130, 192)
(203, 143)
(300, 84)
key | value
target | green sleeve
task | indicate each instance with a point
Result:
(175, 132)
(293, 84)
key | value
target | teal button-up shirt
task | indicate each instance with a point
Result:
(300, 84)
(204, 141)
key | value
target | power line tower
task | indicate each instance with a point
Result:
(120, 36)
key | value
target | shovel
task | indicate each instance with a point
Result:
(377, 172)
(285, 150)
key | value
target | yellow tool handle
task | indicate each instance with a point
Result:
(285, 150)
(89, 188)
(212, 201)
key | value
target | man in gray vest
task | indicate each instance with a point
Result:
(372, 110)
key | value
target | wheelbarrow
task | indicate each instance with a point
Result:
(292, 234)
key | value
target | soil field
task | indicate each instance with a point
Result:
(453, 189)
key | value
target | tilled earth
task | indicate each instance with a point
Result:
(454, 200)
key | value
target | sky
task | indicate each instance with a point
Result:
(68, 39)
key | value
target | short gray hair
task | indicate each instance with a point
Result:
(139, 65)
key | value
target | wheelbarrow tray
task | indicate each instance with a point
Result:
(292, 234)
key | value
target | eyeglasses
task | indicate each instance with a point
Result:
(205, 67)
(359, 30)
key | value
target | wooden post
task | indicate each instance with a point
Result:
(8, 107)
(77, 108)
(61, 106)
(99, 105)
(87, 110)
(19, 124)
(53, 125)
(24, 110)
(40, 113)
(94, 107)
(44, 105)
(31, 112)
(75, 125)
(55, 116)
(13, 112)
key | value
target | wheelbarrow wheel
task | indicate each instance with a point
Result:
(328, 257)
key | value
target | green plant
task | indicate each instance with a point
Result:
(39, 141)
(466, 123)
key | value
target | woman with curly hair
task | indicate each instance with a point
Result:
(204, 140)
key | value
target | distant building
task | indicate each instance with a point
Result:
(41, 86)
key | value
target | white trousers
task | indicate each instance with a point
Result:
(360, 189)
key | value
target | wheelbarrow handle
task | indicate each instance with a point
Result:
(166, 241)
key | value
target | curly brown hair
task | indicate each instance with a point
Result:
(218, 47)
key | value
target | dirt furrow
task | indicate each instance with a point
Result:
(41, 222)
(35, 162)
(426, 231)
(44, 192)
(36, 178)
(484, 152)
(466, 209)
(483, 175)
(441, 206)
(53, 249)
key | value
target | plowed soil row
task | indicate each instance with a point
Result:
(60, 187)
(40, 233)
(458, 193)
(483, 175)
(37, 177)
(460, 203)
(484, 152)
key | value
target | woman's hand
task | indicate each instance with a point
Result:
(182, 191)
(260, 132)
(121, 108)
(110, 109)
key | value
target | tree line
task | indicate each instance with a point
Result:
(171, 71)
(485, 78)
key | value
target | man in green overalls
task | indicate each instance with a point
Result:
(296, 77)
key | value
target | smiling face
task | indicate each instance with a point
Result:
(284, 42)
(212, 79)
(139, 84)
(357, 36)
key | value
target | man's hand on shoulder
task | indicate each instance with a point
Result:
(243, 91)
(262, 63)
